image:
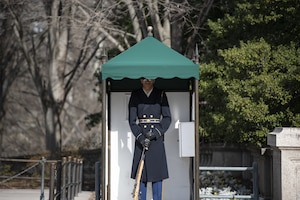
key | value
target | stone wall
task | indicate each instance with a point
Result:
(224, 155)
(90, 157)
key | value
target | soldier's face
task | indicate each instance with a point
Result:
(147, 83)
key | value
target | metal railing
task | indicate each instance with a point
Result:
(97, 180)
(65, 176)
(71, 178)
(253, 169)
(37, 163)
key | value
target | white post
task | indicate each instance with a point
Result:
(285, 143)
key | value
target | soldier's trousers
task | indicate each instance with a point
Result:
(156, 190)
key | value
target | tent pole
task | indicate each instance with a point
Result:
(197, 152)
(103, 148)
(108, 148)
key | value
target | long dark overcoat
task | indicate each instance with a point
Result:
(155, 106)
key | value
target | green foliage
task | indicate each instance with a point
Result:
(5, 170)
(251, 89)
(92, 120)
(250, 72)
(275, 21)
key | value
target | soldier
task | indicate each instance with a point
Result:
(149, 119)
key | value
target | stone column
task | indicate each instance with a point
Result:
(285, 143)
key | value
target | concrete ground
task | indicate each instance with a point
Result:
(35, 194)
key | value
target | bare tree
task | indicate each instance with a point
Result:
(204, 8)
(56, 56)
(9, 65)
(56, 42)
(170, 19)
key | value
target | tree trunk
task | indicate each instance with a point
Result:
(161, 31)
(58, 38)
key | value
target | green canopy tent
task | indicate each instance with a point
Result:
(150, 59)
(153, 60)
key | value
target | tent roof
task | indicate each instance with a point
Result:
(150, 59)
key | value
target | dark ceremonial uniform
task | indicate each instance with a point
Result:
(150, 114)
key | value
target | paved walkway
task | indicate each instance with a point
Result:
(35, 194)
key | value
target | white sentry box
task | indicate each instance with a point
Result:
(186, 139)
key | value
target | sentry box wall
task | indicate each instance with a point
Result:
(178, 77)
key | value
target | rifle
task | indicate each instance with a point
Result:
(138, 176)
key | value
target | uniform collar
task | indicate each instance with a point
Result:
(148, 93)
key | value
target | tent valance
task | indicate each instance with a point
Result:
(150, 59)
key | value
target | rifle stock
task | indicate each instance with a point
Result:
(138, 177)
